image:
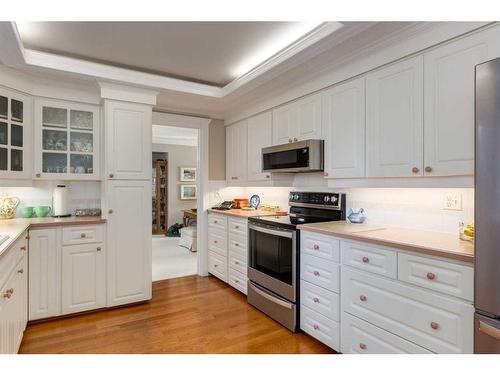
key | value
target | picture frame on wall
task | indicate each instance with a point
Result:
(188, 192)
(188, 174)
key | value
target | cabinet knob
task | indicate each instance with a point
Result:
(236, 227)
(362, 298)
(415, 170)
(215, 241)
(6, 295)
(295, 139)
(236, 262)
(366, 260)
(431, 276)
(316, 299)
(23, 248)
(236, 281)
(111, 175)
(98, 248)
(316, 247)
(325, 174)
(428, 169)
(38, 175)
(290, 140)
(110, 211)
(83, 235)
(215, 265)
(237, 244)
(434, 325)
(268, 176)
(316, 273)
(20, 271)
(316, 327)
(362, 346)
(215, 221)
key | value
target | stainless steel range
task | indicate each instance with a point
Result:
(274, 249)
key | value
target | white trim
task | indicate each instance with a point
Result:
(170, 119)
(402, 182)
(127, 93)
(11, 46)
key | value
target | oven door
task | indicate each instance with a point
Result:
(272, 261)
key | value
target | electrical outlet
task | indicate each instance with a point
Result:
(452, 201)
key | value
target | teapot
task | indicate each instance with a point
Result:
(356, 217)
(8, 207)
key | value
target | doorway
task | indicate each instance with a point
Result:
(174, 203)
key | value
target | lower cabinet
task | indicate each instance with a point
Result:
(83, 278)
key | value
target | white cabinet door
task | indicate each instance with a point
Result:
(284, 124)
(449, 102)
(44, 266)
(344, 130)
(236, 153)
(128, 140)
(308, 123)
(129, 242)
(260, 135)
(394, 120)
(83, 278)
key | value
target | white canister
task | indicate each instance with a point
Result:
(60, 201)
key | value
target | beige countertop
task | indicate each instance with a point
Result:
(246, 213)
(14, 228)
(446, 245)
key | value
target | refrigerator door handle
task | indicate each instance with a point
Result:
(489, 330)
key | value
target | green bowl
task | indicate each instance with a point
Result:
(42, 211)
(26, 211)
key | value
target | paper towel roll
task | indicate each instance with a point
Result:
(60, 201)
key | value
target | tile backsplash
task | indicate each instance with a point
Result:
(81, 194)
(420, 208)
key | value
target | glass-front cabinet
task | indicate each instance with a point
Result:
(15, 135)
(66, 140)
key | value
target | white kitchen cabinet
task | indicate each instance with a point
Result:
(298, 121)
(449, 102)
(67, 140)
(394, 120)
(344, 130)
(44, 274)
(16, 129)
(83, 278)
(129, 241)
(260, 135)
(128, 140)
(236, 153)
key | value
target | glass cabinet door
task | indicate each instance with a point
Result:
(12, 134)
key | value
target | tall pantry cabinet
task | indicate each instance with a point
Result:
(127, 195)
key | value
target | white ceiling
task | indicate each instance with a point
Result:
(173, 135)
(208, 52)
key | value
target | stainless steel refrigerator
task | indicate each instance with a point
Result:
(487, 206)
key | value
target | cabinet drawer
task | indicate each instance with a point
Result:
(238, 226)
(237, 262)
(321, 328)
(321, 272)
(440, 324)
(238, 280)
(12, 257)
(238, 243)
(445, 277)
(360, 337)
(370, 258)
(319, 245)
(80, 234)
(320, 300)
(217, 265)
(217, 242)
(217, 222)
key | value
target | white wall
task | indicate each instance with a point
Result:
(409, 207)
(178, 156)
(82, 194)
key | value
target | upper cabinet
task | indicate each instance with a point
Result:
(259, 136)
(16, 157)
(66, 140)
(449, 103)
(394, 120)
(344, 130)
(297, 121)
(236, 152)
(128, 140)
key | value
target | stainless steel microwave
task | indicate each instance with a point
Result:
(303, 156)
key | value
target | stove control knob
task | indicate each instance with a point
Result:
(291, 197)
(326, 198)
(296, 197)
(333, 198)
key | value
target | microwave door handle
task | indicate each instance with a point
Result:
(280, 233)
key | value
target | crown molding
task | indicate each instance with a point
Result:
(11, 47)
(127, 93)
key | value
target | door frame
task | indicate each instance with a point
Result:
(202, 184)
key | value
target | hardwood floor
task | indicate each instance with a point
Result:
(186, 315)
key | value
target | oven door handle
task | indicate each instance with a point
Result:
(280, 233)
(268, 296)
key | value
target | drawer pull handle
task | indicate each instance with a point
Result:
(366, 260)
(98, 248)
(83, 235)
(236, 244)
(20, 271)
(6, 295)
(434, 325)
(236, 227)
(215, 221)
(236, 262)
(316, 299)
(316, 327)
(268, 176)
(23, 248)
(316, 247)
(415, 170)
(316, 273)
(215, 265)
(110, 211)
(362, 346)
(236, 281)
(431, 276)
(111, 175)
(215, 241)
(362, 298)
(489, 330)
